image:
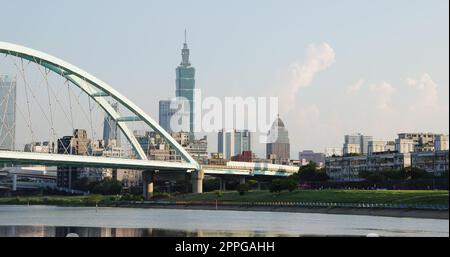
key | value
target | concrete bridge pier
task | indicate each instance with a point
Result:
(242, 181)
(222, 184)
(114, 174)
(14, 182)
(148, 178)
(197, 181)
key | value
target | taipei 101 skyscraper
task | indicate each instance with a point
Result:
(185, 83)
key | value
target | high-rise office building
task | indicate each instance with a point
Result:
(77, 144)
(7, 112)
(143, 138)
(174, 115)
(181, 109)
(441, 143)
(423, 142)
(377, 147)
(165, 115)
(198, 149)
(185, 83)
(110, 129)
(234, 142)
(355, 141)
(278, 146)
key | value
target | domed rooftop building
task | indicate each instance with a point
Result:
(278, 122)
(278, 145)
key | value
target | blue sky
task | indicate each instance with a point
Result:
(389, 72)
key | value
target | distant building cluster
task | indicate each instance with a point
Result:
(80, 144)
(426, 151)
(157, 148)
(307, 156)
(236, 145)
(233, 142)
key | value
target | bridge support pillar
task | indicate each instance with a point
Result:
(197, 181)
(222, 184)
(114, 174)
(14, 182)
(242, 181)
(147, 181)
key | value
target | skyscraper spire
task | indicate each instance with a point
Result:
(185, 52)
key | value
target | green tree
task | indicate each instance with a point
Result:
(243, 188)
(81, 184)
(321, 175)
(252, 183)
(218, 193)
(308, 172)
(311, 172)
(364, 174)
(276, 186)
(390, 174)
(290, 185)
(107, 187)
(416, 173)
(279, 185)
(375, 178)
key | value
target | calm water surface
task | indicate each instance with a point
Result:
(52, 221)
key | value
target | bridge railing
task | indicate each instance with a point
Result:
(277, 204)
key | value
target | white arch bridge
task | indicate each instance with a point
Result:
(99, 92)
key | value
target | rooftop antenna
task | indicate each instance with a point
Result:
(185, 36)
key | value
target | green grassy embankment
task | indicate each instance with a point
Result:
(327, 196)
(324, 196)
(57, 200)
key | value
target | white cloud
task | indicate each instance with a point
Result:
(428, 99)
(411, 82)
(318, 58)
(312, 128)
(383, 93)
(309, 115)
(355, 87)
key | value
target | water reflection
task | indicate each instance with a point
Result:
(50, 221)
(49, 231)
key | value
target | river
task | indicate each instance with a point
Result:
(50, 221)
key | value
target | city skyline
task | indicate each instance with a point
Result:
(194, 119)
(344, 70)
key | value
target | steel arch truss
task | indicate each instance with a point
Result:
(98, 91)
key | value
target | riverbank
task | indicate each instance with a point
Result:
(391, 203)
(411, 197)
(398, 213)
(365, 211)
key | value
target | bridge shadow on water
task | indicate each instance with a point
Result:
(61, 231)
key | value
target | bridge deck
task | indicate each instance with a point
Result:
(25, 158)
(89, 161)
